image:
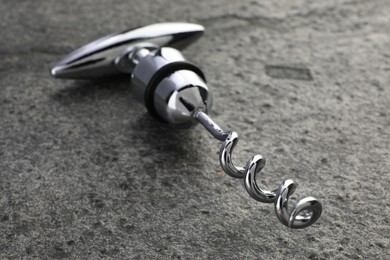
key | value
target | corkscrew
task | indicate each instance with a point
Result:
(175, 91)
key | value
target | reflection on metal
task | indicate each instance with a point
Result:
(175, 91)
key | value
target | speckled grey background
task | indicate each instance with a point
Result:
(86, 173)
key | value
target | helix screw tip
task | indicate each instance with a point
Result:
(303, 213)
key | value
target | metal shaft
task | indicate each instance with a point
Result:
(211, 126)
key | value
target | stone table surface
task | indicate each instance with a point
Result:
(86, 173)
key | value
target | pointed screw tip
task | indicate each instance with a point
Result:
(53, 72)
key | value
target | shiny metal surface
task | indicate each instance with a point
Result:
(180, 95)
(252, 168)
(210, 125)
(147, 67)
(225, 157)
(303, 213)
(103, 57)
(175, 91)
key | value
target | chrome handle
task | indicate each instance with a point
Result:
(108, 56)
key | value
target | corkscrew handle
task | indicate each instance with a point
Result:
(170, 87)
(109, 55)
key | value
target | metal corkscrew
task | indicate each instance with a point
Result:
(175, 91)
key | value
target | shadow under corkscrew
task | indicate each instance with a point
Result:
(302, 214)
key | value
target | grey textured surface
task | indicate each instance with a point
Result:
(85, 173)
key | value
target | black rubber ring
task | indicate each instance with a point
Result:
(162, 73)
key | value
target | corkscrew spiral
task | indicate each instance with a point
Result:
(175, 91)
(302, 214)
